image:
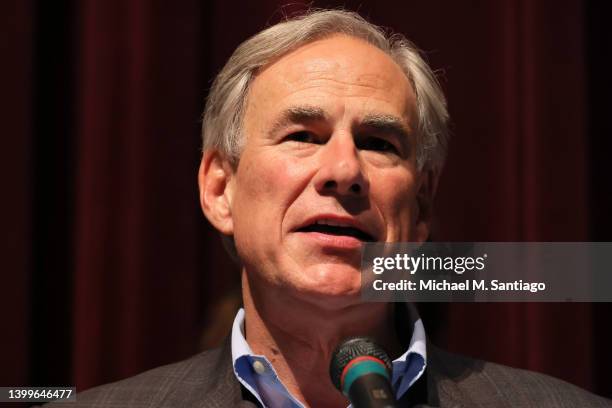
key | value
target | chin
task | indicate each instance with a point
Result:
(331, 282)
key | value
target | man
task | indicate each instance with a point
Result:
(321, 133)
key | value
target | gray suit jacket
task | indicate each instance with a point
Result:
(207, 380)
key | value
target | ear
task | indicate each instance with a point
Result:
(216, 190)
(428, 185)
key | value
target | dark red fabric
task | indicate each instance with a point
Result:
(519, 105)
(125, 270)
(136, 272)
(15, 171)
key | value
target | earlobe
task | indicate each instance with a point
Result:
(425, 197)
(215, 181)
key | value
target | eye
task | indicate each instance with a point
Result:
(378, 144)
(301, 137)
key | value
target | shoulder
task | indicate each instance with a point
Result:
(486, 384)
(205, 380)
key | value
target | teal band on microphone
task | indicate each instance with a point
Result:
(362, 368)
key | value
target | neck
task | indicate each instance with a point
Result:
(298, 337)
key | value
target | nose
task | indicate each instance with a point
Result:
(340, 171)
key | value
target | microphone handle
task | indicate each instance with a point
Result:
(372, 391)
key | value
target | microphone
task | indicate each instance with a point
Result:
(361, 370)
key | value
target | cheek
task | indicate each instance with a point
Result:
(266, 179)
(399, 207)
(254, 183)
(266, 185)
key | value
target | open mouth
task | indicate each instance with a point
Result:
(338, 230)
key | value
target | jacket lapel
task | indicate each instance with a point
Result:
(225, 390)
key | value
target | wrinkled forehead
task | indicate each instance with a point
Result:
(335, 67)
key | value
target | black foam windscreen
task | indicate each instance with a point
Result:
(350, 349)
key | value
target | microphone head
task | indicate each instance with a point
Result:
(352, 350)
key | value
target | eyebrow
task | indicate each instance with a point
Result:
(308, 114)
(299, 114)
(387, 124)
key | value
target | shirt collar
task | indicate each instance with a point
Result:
(240, 347)
(258, 376)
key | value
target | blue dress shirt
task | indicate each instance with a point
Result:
(258, 376)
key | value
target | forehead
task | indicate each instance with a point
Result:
(336, 73)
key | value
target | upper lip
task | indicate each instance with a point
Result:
(341, 221)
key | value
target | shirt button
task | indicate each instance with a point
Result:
(259, 367)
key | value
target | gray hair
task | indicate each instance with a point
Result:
(226, 104)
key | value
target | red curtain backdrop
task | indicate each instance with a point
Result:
(111, 267)
(15, 173)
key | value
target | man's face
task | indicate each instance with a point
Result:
(328, 163)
